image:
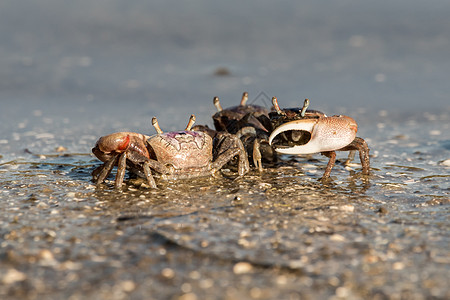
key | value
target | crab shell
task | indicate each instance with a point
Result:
(224, 118)
(182, 149)
(327, 134)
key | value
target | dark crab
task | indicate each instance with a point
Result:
(251, 124)
(298, 131)
(234, 118)
(291, 131)
(172, 155)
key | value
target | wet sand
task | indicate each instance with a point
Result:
(71, 73)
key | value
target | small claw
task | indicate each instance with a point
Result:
(126, 142)
(190, 123)
(244, 99)
(156, 125)
(217, 104)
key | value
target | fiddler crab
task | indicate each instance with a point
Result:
(173, 155)
(298, 131)
(291, 131)
(251, 124)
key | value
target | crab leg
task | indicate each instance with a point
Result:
(361, 146)
(257, 155)
(350, 158)
(330, 165)
(103, 171)
(121, 167)
(148, 175)
(226, 156)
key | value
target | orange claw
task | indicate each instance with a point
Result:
(124, 145)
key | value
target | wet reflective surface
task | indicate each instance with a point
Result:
(281, 234)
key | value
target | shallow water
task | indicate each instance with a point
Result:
(71, 73)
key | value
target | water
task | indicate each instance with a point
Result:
(72, 72)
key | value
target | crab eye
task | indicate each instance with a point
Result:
(291, 138)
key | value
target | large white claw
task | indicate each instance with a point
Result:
(327, 134)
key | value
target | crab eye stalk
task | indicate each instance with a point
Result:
(244, 99)
(305, 106)
(276, 106)
(156, 125)
(217, 104)
(190, 123)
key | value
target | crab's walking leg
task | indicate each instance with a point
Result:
(121, 167)
(350, 158)
(360, 145)
(100, 173)
(148, 165)
(148, 175)
(227, 155)
(332, 156)
(257, 155)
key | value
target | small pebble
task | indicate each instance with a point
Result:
(337, 238)
(42, 205)
(382, 210)
(342, 292)
(206, 283)
(60, 149)
(256, 293)
(188, 296)
(242, 268)
(46, 258)
(435, 132)
(12, 276)
(346, 207)
(46, 254)
(128, 285)
(446, 163)
(398, 266)
(168, 273)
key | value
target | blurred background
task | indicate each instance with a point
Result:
(113, 64)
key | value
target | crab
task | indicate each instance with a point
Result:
(251, 124)
(234, 118)
(291, 131)
(298, 131)
(173, 155)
